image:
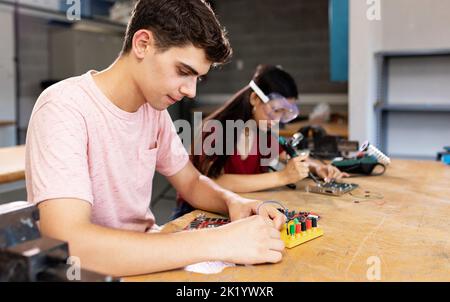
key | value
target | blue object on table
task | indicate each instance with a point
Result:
(446, 159)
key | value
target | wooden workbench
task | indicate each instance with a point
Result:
(407, 229)
(12, 164)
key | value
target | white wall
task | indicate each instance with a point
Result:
(419, 81)
(7, 76)
(404, 25)
(365, 39)
(417, 135)
(415, 24)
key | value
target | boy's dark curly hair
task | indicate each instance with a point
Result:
(178, 23)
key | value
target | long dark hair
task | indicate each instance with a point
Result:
(269, 79)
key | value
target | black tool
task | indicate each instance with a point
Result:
(289, 147)
(324, 146)
(364, 165)
(27, 256)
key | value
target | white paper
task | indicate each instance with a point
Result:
(208, 267)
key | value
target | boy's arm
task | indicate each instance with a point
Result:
(113, 251)
(122, 253)
(203, 193)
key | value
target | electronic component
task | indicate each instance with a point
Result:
(370, 149)
(203, 222)
(331, 188)
(300, 228)
(301, 216)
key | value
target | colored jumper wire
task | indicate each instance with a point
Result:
(297, 231)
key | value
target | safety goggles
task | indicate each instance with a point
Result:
(276, 106)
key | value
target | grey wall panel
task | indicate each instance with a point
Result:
(419, 80)
(417, 134)
(415, 24)
(33, 65)
(75, 52)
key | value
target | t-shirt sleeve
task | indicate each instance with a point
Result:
(56, 154)
(172, 155)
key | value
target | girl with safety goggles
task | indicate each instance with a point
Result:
(269, 99)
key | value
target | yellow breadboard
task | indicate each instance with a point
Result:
(291, 241)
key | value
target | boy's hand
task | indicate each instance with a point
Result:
(251, 240)
(239, 207)
(329, 172)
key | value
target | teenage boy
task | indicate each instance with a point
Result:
(95, 140)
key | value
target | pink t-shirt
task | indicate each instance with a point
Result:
(80, 145)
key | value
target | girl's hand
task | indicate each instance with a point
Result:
(329, 172)
(295, 170)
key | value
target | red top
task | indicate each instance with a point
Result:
(252, 164)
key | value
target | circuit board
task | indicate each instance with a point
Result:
(299, 228)
(331, 188)
(203, 222)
